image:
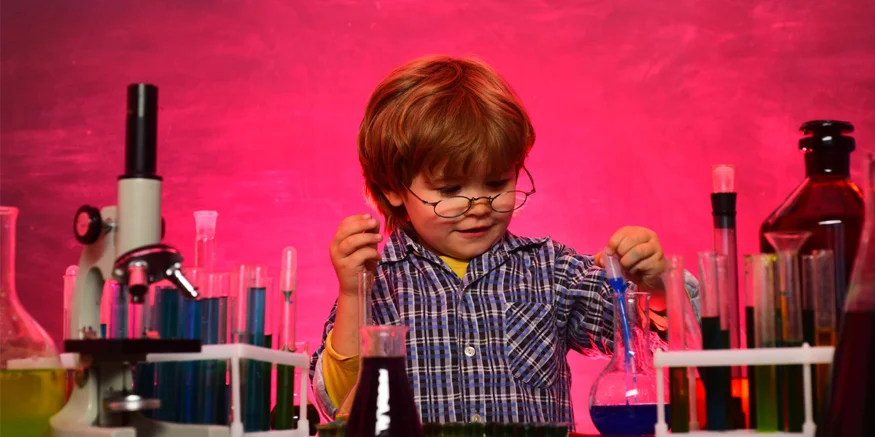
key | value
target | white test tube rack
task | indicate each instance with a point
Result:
(233, 353)
(804, 355)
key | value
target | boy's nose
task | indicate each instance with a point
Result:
(480, 207)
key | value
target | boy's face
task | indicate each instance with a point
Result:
(468, 235)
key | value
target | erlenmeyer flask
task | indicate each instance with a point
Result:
(789, 324)
(849, 406)
(615, 407)
(365, 287)
(383, 404)
(31, 378)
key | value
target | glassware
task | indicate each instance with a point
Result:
(849, 406)
(715, 335)
(827, 203)
(32, 382)
(787, 244)
(760, 282)
(383, 404)
(613, 409)
(365, 288)
(818, 315)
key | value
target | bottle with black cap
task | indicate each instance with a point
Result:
(827, 203)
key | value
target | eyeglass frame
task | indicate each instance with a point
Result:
(471, 200)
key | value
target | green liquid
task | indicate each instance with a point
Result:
(794, 394)
(28, 399)
(679, 397)
(751, 370)
(285, 394)
(766, 399)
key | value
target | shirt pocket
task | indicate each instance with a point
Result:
(531, 334)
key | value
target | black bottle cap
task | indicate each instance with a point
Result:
(827, 134)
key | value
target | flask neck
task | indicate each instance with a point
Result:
(827, 163)
(383, 341)
(8, 216)
(636, 326)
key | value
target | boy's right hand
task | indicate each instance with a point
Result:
(355, 247)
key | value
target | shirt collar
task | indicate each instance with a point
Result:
(400, 245)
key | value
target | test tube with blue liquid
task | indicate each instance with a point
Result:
(190, 328)
(617, 281)
(214, 308)
(254, 329)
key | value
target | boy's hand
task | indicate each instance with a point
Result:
(355, 247)
(640, 255)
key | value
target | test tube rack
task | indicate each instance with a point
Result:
(740, 357)
(233, 353)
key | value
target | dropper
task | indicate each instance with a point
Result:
(616, 280)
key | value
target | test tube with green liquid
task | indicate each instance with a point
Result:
(714, 336)
(761, 277)
(676, 299)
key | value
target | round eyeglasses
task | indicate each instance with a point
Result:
(504, 202)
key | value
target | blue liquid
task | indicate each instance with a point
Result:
(167, 301)
(619, 285)
(625, 419)
(254, 406)
(214, 371)
(190, 371)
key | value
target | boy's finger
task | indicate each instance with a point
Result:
(651, 264)
(635, 255)
(356, 225)
(365, 255)
(354, 242)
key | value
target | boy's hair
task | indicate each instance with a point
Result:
(443, 117)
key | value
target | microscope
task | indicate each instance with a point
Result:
(123, 243)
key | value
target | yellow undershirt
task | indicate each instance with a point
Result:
(339, 372)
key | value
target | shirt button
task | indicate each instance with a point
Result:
(469, 351)
(476, 418)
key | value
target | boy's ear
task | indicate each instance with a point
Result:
(394, 198)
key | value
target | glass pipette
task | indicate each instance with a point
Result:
(616, 280)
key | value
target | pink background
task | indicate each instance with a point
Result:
(632, 102)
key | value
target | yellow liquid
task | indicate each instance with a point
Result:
(28, 398)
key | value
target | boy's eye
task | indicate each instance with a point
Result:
(498, 184)
(449, 191)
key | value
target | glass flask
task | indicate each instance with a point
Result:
(383, 404)
(849, 406)
(827, 203)
(365, 289)
(32, 382)
(623, 398)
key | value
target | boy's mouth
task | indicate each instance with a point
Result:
(475, 231)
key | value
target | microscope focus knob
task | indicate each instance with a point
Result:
(87, 224)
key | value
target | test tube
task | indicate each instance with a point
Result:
(723, 201)
(205, 239)
(115, 297)
(167, 301)
(818, 284)
(760, 280)
(215, 331)
(676, 299)
(190, 328)
(787, 245)
(285, 375)
(614, 274)
(239, 300)
(69, 285)
(716, 379)
(254, 300)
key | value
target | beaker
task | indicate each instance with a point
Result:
(383, 404)
(623, 398)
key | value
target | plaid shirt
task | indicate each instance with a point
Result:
(491, 346)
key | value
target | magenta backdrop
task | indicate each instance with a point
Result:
(632, 101)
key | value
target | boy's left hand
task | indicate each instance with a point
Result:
(640, 256)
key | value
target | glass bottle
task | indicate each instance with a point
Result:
(365, 289)
(32, 382)
(615, 407)
(827, 203)
(849, 407)
(383, 404)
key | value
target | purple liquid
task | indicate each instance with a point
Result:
(383, 404)
(625, 419)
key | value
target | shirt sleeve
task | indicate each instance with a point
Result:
(338, 372)
(320, 393)
(587, 302)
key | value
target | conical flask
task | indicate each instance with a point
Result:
(365, 287)
(849, 407)
(623, 398)
(383, 404)
(31, 378)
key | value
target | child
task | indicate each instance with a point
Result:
(491, 315)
